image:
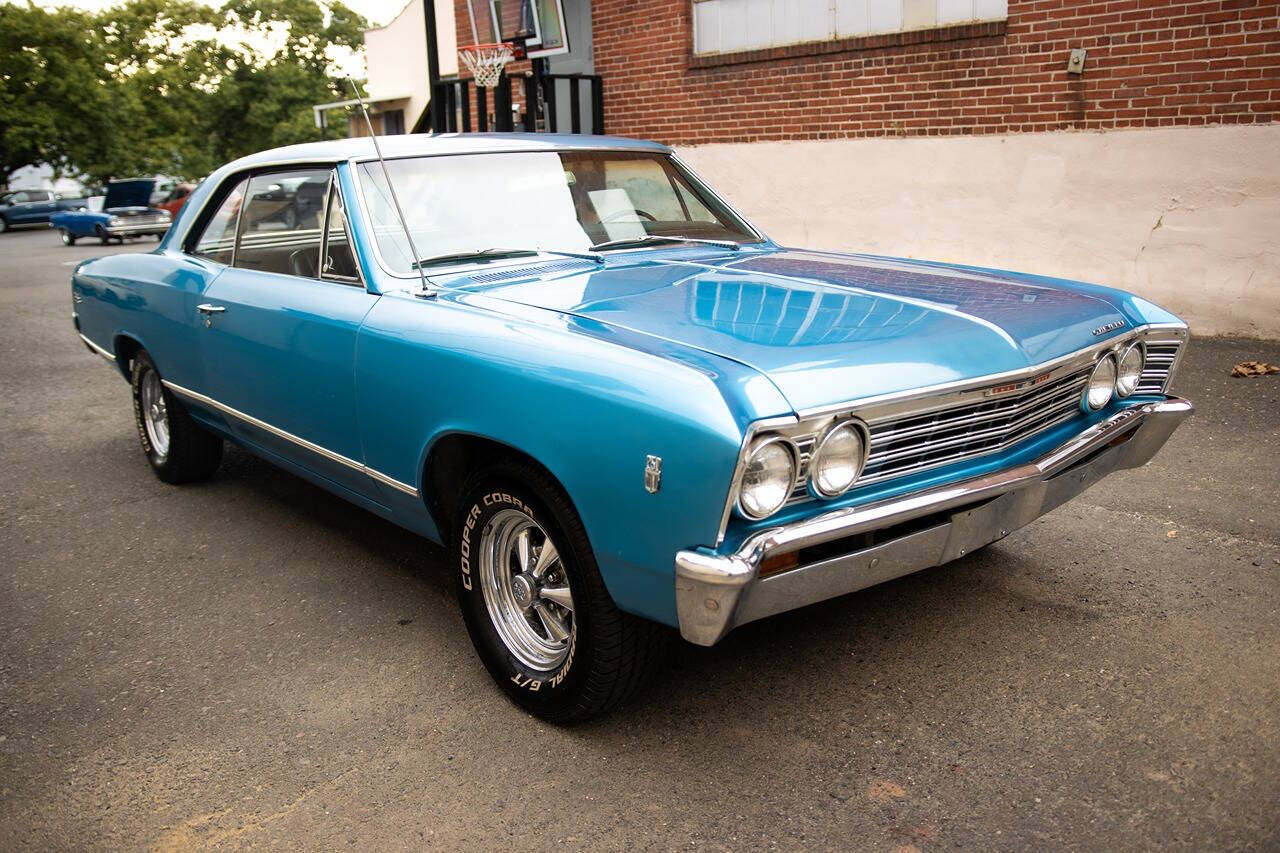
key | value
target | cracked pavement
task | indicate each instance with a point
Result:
(252, 662)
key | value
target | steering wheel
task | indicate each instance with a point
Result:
(617, 214)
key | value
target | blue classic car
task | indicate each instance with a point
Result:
(126, 212)
(621, 406)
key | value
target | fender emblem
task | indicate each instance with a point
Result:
(1102, 330)
(652, 474)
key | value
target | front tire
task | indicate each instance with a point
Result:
(102, 235)
(178, 449)
(4, 225)
(535, 605)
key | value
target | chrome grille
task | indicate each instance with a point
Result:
(1155, 374)
(958, 433)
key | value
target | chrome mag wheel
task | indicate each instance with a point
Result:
(525, 590)
(155, 415)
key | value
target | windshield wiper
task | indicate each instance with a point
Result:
(662, 238)
(497, 253)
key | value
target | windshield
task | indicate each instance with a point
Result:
(556, 200)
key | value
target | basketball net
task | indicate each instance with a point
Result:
(486, 61)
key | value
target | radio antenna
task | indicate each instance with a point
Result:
(427, 290)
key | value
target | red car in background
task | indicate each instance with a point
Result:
(176, 199)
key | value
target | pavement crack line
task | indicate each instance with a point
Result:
(184, 836)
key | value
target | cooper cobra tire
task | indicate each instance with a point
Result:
(607, 655)
(67, 239)
(179, 450)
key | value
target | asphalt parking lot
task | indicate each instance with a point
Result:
(252, 662)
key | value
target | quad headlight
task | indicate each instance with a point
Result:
(768, 476)
(1131, 365)
(1101, 385)
(115, 220)
(838, 457)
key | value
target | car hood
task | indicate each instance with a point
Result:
(135, 193)
(828, 328)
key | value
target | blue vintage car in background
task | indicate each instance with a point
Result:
(126, 212)
(622, 407)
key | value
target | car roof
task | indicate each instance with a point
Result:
(426, 145)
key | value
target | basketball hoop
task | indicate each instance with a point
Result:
(486, 61)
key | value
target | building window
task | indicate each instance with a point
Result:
(392, 122)
(729, 26)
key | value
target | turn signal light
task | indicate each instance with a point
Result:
(779, 563)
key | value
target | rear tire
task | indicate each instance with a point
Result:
(67, 238)
(178, 449)
(4, 225)
(545, 626)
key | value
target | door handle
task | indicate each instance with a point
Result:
(210, 309)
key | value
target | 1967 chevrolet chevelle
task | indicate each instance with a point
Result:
(619, 404)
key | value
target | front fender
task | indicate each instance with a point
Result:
(589, 409)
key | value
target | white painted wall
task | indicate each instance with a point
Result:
(1188, 218)
(396, 59)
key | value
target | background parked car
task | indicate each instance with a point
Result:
(176, 198)
(125, 212)
(34, 207)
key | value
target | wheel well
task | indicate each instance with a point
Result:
(452, 460)
(125, 349)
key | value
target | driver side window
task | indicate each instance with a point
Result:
(280, 227)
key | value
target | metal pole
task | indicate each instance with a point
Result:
(433, 64)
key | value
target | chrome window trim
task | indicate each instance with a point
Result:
(938, 397)
(186, 243)
(245, 174)
(688, 173)
(288, 436)
(321, 254)
(335, 186)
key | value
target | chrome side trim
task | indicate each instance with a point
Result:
(288, 436)
(105, 353)
(715, 592)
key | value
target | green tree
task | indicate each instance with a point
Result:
(52, 97)
(170, 86)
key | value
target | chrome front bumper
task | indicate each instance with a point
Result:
(717, 592)
(138, 230)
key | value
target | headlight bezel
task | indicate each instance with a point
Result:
(815, 458)
(1140, 347)
(757, 445)
(1086, 401)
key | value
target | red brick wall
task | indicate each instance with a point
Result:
(1150, 64)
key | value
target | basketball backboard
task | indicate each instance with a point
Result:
(537, 24)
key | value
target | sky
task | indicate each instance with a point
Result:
(379, 12)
